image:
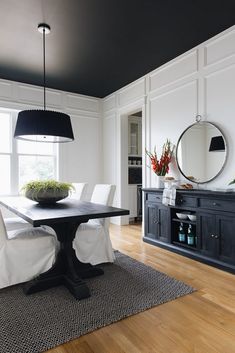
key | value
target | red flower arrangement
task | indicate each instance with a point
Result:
(161, 167)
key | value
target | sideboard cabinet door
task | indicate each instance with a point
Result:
(217, 235)
(206, 234)
(151, 216)
(157, 221)
(225, 237)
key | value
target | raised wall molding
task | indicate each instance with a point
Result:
(220, 49)
(6, 90)
(190, 86)
(177, 87)
(30, 95)
(218, 77)
(109, 103)
(17, 95)
(82, 103)
(34, 95)
(132, 107)
(81, 115)
(177, 70)
(131, 92)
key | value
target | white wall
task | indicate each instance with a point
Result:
(201, 81)
(81, 160)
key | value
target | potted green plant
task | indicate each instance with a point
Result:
(47, 191)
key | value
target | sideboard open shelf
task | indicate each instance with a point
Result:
(213, 230)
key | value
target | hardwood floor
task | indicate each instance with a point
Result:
(202, 322)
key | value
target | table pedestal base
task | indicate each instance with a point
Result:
(78, 289)
(67, 270)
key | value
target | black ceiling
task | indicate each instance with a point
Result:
(97, 46)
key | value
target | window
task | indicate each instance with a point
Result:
(22, 161)
(5, 152)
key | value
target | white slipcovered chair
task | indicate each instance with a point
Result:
(80, 191)
(14, 223)
(92, 243)
(25, 253)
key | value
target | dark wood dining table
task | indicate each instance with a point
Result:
(64, 217)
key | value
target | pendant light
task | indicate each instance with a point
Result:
(43, 125)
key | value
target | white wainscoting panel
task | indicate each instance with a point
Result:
(29, 94)
(171, 113)
(6, 89)
(109, 103)
(82, 103)
(84, 158)
(220, 48)
(131, 93)
(54, 98)
(34, 95)
(220, 106)
(176, 70)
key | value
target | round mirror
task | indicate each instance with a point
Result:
(201, 152)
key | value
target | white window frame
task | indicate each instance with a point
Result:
(14, 155)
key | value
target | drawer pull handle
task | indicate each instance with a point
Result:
(155, 221)
(216, 236)
(181, 200)
(214, 204)
(213, 236)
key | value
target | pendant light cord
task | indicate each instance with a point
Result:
(43, 125)
(44, 67)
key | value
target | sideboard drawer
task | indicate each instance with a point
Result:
(154, 197)
(186, 201)
(216, 204)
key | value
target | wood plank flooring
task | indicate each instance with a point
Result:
(202, 322)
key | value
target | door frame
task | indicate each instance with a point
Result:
(122, 153)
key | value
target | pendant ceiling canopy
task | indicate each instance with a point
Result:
(44, 125)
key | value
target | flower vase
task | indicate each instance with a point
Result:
(160, 181)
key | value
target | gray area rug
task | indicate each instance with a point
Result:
(35, 323)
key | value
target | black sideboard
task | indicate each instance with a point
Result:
(213, 230)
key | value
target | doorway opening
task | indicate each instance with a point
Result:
(134, 160)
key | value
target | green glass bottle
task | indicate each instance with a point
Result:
(190, 236)
(181, 234)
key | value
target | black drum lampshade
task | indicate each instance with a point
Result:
(43, 126)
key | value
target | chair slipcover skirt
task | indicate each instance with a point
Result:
(92, 244)
(25, 253)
